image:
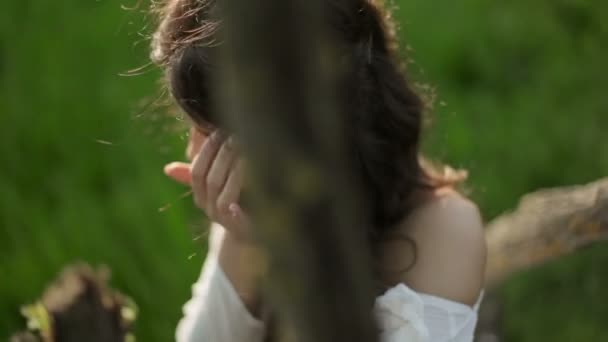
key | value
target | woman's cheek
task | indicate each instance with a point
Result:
(194, 143)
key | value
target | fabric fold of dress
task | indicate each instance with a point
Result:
(215, 312)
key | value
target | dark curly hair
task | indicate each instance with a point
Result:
(387, 113)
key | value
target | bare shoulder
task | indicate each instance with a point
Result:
(450, 248)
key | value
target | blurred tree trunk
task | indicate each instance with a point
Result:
(280, 94)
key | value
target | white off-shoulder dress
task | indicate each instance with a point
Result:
(215, 312)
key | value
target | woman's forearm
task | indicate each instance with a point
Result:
(238, 261)
(216, 312)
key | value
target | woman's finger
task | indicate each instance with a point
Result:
(218, 173)
(200, 167)
(232, 189)
(180, 172)
(239, 222)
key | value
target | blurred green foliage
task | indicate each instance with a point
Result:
(521, 104)
(67, 195)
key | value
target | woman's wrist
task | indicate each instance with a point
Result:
(238, 259)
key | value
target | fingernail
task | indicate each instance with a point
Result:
(234, 209)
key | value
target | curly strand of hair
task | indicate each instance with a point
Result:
(181, 23)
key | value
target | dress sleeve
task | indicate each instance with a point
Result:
(405, 315)
(400, 315)
(215, 313)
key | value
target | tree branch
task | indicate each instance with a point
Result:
(547, 225)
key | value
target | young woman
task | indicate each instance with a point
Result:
(421, 226)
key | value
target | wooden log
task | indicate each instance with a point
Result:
(547, 224)
(79, 306)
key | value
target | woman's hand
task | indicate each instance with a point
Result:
(216, 177)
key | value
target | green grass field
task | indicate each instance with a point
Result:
(521, 104)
